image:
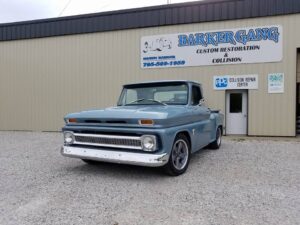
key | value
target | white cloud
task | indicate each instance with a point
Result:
(20, 10)
(79, 6)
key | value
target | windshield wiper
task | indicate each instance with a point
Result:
(135, 101)
(157, 101)
(142, 99)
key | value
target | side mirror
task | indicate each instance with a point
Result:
(201, 102)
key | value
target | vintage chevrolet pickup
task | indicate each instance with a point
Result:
(155, 124)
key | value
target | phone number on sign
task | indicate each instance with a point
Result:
(164, 63)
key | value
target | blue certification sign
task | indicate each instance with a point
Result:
(276, 83)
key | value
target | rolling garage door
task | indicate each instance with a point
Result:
(298, 93)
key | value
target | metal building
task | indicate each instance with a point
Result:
(244, 52)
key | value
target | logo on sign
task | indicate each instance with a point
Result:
(158, 44)
(221, 82)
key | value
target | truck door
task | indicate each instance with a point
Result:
(201, 113)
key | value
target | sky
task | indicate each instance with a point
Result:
(21, 10)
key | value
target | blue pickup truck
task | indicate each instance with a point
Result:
(155, 124)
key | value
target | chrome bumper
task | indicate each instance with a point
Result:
(103, 155)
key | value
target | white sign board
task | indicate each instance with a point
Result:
(276, 83)
(226, 46)
(236, 82)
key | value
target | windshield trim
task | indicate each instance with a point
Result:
(154, 84)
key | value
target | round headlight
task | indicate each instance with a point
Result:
(69, 137)
(148, 142)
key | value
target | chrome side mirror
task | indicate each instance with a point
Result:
(201, 102)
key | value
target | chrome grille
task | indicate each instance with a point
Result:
(114, 141)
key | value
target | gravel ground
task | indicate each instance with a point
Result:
(245, 182)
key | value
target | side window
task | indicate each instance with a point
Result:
(196, 95)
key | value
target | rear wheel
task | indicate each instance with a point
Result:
(217, 143)
(180, 156)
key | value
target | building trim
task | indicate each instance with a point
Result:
(173, 14)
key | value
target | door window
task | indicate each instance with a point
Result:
(236, 103)
(196, 95)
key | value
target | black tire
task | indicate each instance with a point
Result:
(88, 161)
(217, 143)
(184, 154)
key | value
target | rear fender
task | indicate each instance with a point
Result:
(217, 120)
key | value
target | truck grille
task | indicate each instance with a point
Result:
(114, 141)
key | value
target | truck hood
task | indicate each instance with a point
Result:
(129, 116)
(131, 112)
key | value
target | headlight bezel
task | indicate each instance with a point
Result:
(152, 139)
(69, 138)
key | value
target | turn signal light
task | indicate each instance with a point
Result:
(72, 120)
(146, 122)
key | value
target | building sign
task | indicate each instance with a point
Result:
(276, 83)
(235, 82)
(228, 46)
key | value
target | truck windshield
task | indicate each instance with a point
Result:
(155, 94)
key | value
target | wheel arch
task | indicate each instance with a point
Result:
(221, 126)
(187, 134)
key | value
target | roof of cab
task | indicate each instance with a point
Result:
(161, 82)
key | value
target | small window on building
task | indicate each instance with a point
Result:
(196, 95)
(236, 103)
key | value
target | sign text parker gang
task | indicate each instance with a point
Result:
(228, 46)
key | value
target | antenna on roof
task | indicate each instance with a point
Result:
(66, 6)
(168, 2)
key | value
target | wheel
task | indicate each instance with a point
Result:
(88, 161)
(217, 143)
(180, 156)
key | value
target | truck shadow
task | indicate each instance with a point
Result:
(201, 154)
(79, 167)
(114, 170)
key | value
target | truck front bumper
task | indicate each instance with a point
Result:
(104, 155)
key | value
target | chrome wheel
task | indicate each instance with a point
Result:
(219, 136)
(180, 154)
(218, 141)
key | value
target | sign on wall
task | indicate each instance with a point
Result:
(235, 82)
(276, 83)
(229, 46)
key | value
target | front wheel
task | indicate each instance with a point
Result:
(217, 143)
(180, 156)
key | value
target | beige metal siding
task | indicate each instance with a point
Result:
(41, 80)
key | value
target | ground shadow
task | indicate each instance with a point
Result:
(125, 171)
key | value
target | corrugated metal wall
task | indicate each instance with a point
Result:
(43, 79)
